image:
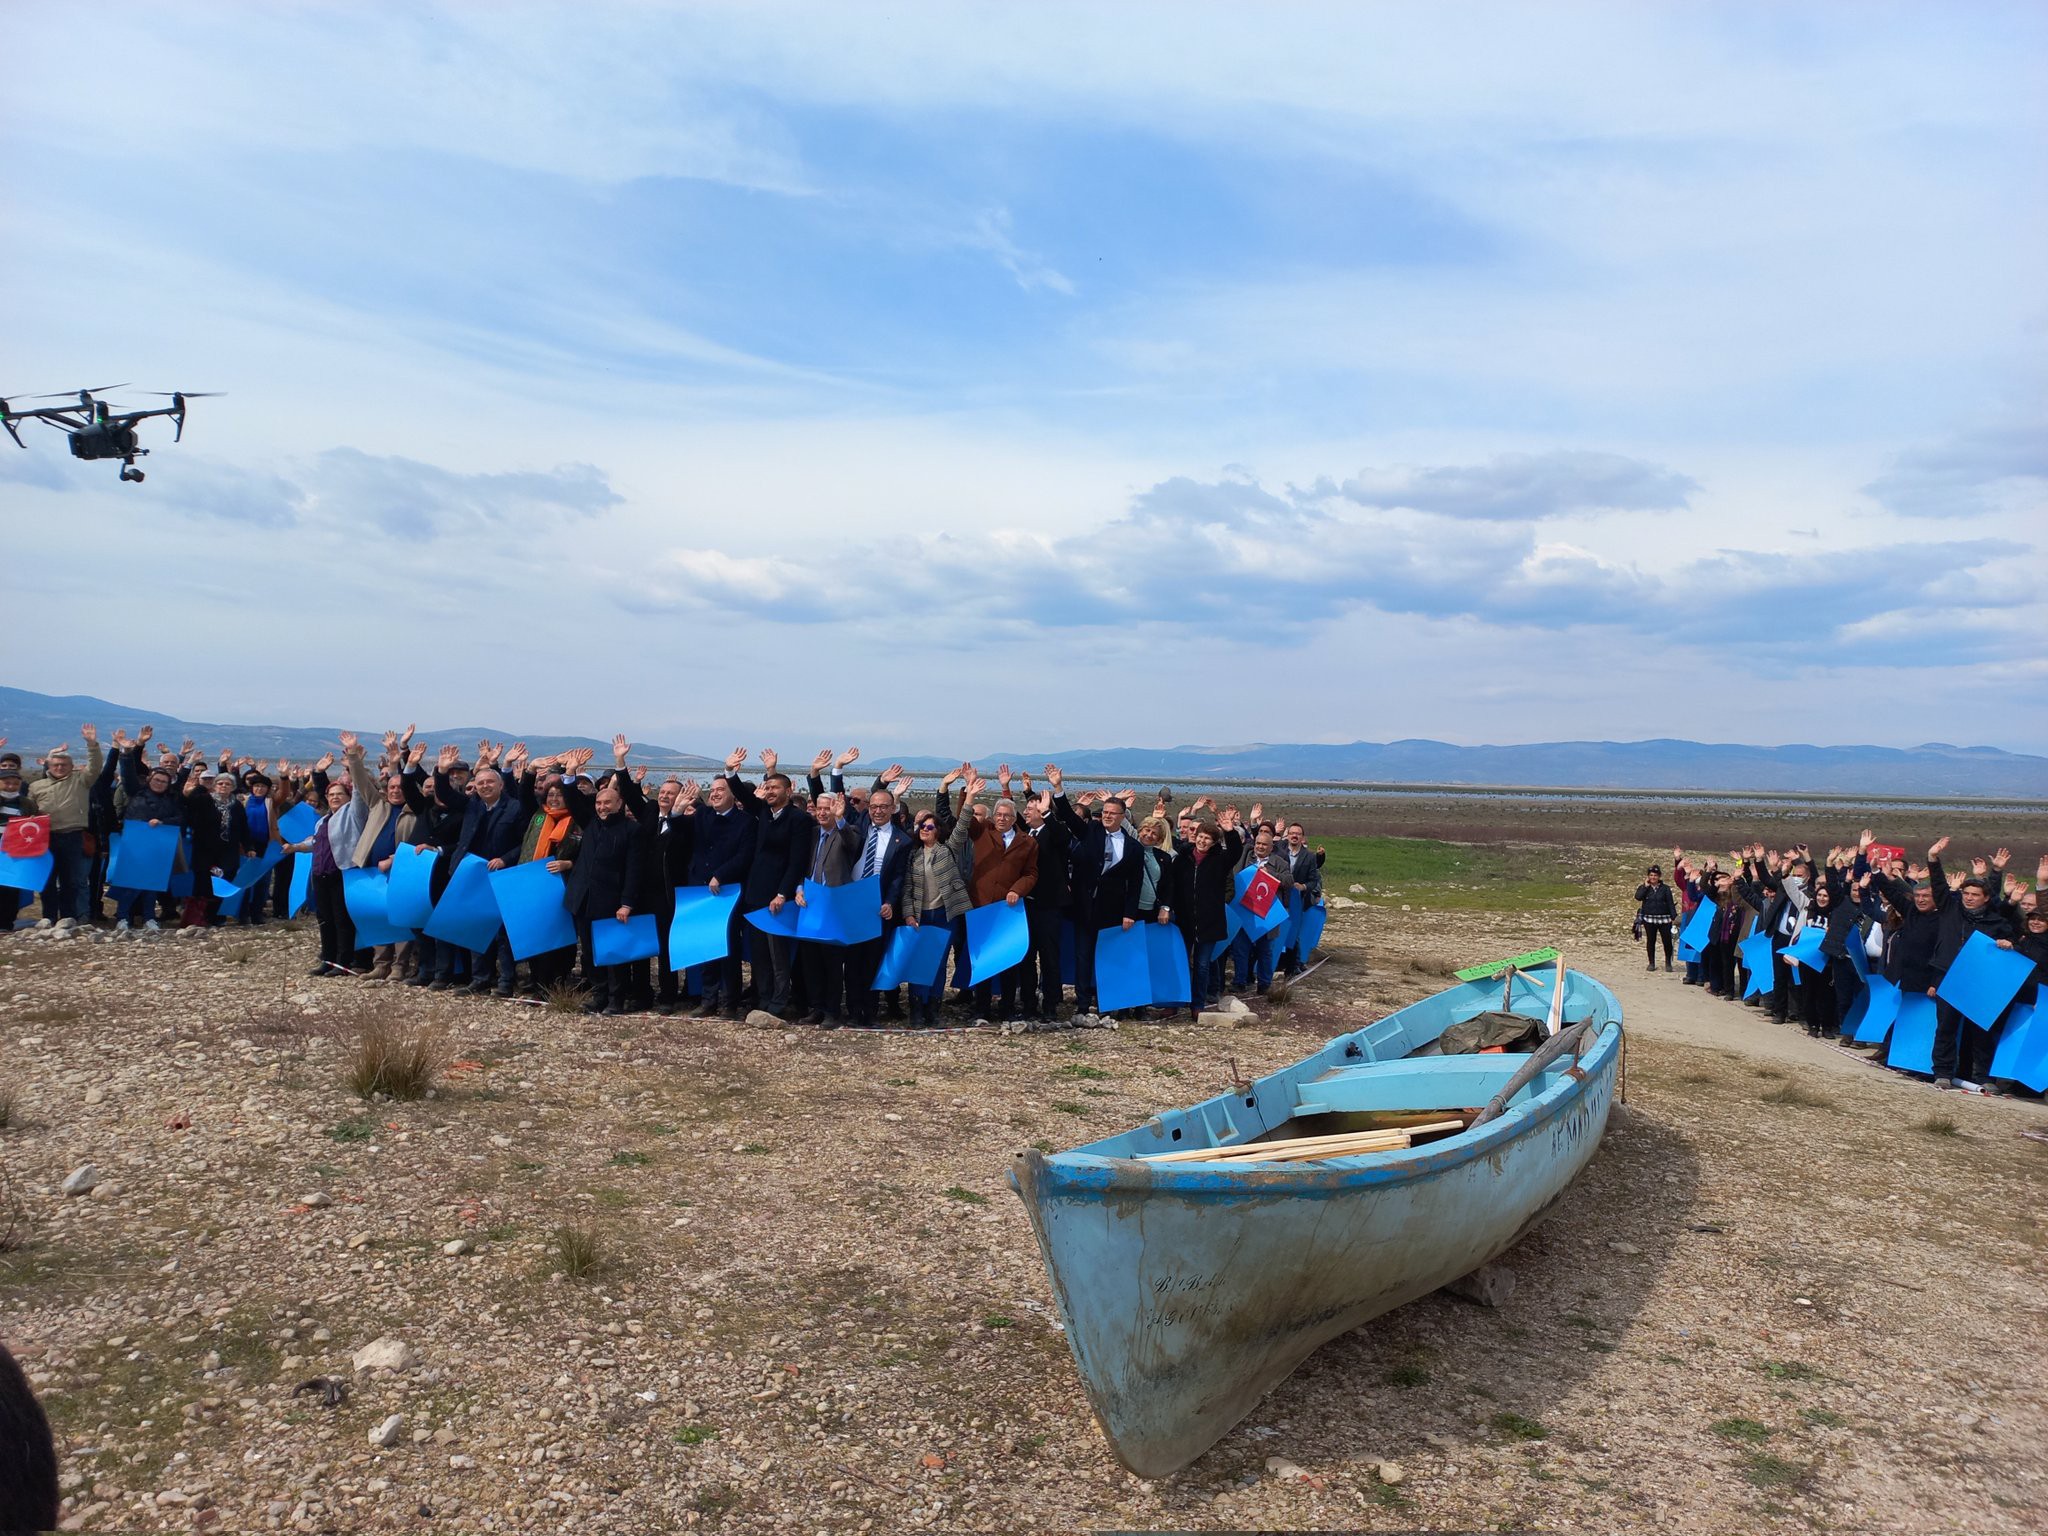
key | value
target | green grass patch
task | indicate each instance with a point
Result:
(1515, 1427)
(1742, 1429)
(629, 1159)
(695, 1434)
(1445, 876)
(966, 1196)
(1406, 1376)
(1789, 1370)
(1763, 1470)
(754, 1149)
(900, 1082)
(1066, 1108)
(1042, 1145)
(357, 1128)
(1822, 1418)
(997, 1320)
(1168, 1071)
(1084, 1071)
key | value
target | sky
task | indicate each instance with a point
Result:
(969, 378)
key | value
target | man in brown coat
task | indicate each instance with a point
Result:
(1006, 870)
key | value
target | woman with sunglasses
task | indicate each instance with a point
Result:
(935, 890)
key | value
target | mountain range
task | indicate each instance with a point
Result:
(36, 721)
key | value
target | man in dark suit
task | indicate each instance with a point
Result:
(1106, 869)
(884, 851)
(1047, 908)
(835, 847)
(493, 826)
(1306, 864)
(602, 884)
(723, 835)
(782, 855)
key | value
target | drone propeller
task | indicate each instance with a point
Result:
(187, 394)
(62, 394)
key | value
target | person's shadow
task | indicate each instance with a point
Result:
(1443, 1372)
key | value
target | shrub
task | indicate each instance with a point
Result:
(577, 1251)
(399, 1061)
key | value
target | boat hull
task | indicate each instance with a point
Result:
(1189, 1291)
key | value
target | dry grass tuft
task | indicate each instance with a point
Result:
(563, 997)
(9, 1103)
(400, 1061)
(1792, 1093)
(1933, 1125)
(13, 1217)
(577, 1251)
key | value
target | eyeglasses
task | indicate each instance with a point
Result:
(927, 826)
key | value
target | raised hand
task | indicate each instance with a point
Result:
(620, 747)
(1864, 839)
(893, 771)
(1935, 852)
(405, 736)
(770, 759)
(90, 732)
(1998, 860)
(326, 762)
(690, 790)
(1258, 812)
(350, 741)
(120, 739)
(1979, 867)
(851, 754)
(147, 732)
(448, 757)
(1003, 774)
(1054, 777)
(975, 786)
(187, 745)
(821, 762)
(417, 751)
(390, 742)
(734, 758)
(640, 773)
(2041, 872)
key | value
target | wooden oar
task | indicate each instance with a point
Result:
(1300, 1146)
(1556, 1000)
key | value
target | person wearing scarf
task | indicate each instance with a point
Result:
(551, 836)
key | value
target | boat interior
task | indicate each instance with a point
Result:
(1362, 1088)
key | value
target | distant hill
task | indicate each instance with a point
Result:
(35, 721)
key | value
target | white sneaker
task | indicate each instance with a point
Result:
(121, 926)
(46, 923)
(67, 923)
(151, 926)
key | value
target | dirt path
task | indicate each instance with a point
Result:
(1773, 1301)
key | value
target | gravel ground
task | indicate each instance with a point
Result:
(817, 1306)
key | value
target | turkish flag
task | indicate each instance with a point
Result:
(1258, 895)
(1884, 853)
(26, 837)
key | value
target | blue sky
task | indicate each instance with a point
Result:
(971, 378)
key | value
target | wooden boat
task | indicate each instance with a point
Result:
(1198, 1259)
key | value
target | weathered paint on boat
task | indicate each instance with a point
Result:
(1189, 1290)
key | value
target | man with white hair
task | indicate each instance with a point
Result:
(834, 855)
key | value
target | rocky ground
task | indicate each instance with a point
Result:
(1780, 1298)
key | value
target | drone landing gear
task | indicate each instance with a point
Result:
(130, 472)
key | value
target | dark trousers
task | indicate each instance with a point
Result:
(1961, 1049)
(1084, 963)
(862, 961)
(1200, 973)
(772, 971)
(70, 868)
(1042, 986)
(824, 968)
(1717, 968)
(1817, 1002)
(729, 981)
(1652, 932)
(11, 903)
(609, 984)
(337, 931)
(1785, 979)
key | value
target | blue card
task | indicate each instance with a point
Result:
(2024, 1039)
(997, 938)
(1804, 950)
(841, 914)
(1756, 959)
(1166, 963)
(1123, 970)
(363, 891)
(1698, 931)
(467, 913)
(914, 955)
(783, 922)
(1248, 920)
(615, 943)
(700, 931)
(1858, 956)
(410, 900)
(1983, 979)
(1311, 934)
(1912, 1047)
(142, 857)
(297, 824)
(29, 875)
(530, 903)
(302, 884)
(1872, 1015)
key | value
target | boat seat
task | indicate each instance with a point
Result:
(1433, 1082)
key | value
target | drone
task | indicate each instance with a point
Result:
(96, 429)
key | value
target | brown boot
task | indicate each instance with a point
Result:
(381, 971)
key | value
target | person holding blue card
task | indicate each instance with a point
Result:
(603, 882)
(835, 849)
(1962, 1048)
(1005, 871)
(152, 802)
(1203, 888)
(935, 891)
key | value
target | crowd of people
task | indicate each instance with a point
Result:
(1876, 913)
(1077, 865)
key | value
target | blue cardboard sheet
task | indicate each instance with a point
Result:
(1858, 956)
(1873, 1013)
(142, 857)
(997, 938)
(530, 905)
(699, 931)
(1698, 930)
(1248, 920)
(615, 943)
(914, 955)
(1983, 979)
(29, 875)
(302, 884)
(1756, 959)
(1804, 950)
(1912, 1047)
(1310, 934)
(409, 901)
(297, 824)
(2022, 1054)
(467, 913)
(783, 922)
(841, 914)
(364, 891)
(1166, 962)
(1123, 971)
